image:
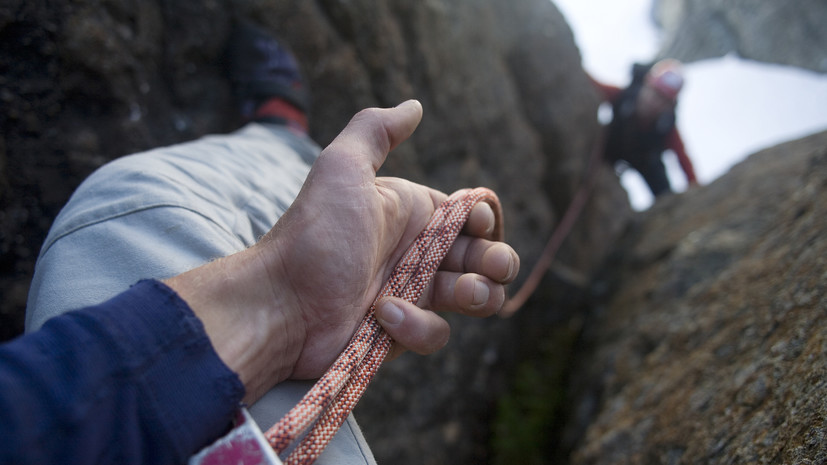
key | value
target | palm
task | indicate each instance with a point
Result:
(340, 253)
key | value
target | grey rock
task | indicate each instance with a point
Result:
(774, 31)
(732, 369)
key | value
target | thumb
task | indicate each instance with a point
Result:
(402, 120)
(374, 132)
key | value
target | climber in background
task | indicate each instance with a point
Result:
(643, 123)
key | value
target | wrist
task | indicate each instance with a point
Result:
(246, 319)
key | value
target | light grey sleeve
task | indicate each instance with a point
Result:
(166, 211)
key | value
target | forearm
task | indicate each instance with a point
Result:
(675, 143)
(133, 380)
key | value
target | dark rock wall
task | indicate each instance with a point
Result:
(774, 31)
(84, 82)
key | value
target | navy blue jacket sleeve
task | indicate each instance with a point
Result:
(133, 380)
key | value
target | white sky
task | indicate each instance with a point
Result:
(729, 108)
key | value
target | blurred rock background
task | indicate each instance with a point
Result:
(774, 31)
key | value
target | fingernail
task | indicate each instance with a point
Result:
(511, 268)
(390, 314)
(410, 102)
(489, 229)
(512, 262)
(480, 293)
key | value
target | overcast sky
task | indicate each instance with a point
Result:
(729, 107)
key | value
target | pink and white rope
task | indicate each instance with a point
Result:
(326, 406)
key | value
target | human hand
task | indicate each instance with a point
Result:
(300, 293)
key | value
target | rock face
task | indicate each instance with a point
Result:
(711, 348)
(775, 31)
(506, 106)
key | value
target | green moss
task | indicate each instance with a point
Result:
(529, 418)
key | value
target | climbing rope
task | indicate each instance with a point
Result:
(560, 233)
(326, 406)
